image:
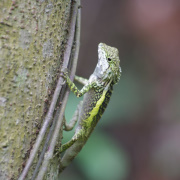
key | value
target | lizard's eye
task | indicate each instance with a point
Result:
(109, 59)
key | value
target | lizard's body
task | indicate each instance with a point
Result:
(97, 90)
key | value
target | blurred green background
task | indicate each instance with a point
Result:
(138, 137)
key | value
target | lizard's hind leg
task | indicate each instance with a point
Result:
(76, 137)
(67, 145)
(70, 126)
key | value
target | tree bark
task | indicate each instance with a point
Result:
(32, 40)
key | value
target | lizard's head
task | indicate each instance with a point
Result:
(108, 66)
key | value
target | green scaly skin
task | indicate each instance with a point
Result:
(97, 90)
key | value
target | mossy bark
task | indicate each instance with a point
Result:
(32, 39)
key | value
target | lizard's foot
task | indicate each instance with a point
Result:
(64, 72)
(57, 151)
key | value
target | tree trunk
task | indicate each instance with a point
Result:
(32, 39)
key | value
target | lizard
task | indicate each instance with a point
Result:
(97, 92)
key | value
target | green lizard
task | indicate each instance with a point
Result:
(97, 90)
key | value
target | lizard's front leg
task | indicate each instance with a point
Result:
(73, 87)
(81, 80)
(76, 137)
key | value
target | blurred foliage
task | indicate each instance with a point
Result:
(101, 154)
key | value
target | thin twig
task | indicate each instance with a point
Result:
(49, 154)
(55, 97)
(77, 41)
(77, 46)
(73, 70)
(46, 144)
